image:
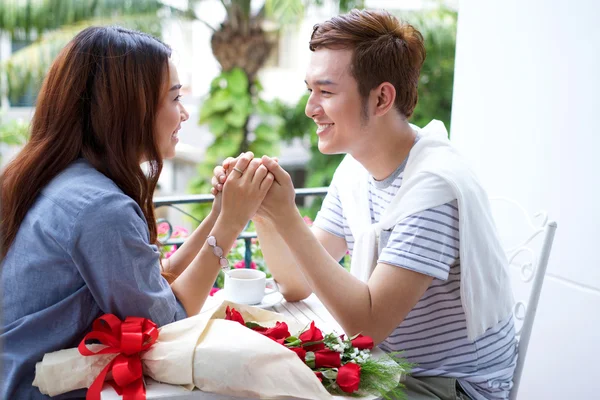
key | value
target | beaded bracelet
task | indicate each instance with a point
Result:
(217, 251)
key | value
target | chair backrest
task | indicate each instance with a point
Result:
(527, 241)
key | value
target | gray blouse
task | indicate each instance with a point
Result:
(82, 250)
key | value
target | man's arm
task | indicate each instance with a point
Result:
(374, 308)
(282, 264)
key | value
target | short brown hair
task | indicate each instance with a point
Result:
(385, 50)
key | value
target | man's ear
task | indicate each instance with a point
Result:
(385, 95)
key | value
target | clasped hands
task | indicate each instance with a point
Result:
(253, 188)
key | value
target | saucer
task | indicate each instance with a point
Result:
(268, 301)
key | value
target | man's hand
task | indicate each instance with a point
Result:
(279, 201)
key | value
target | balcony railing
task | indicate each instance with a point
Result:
(174, 201)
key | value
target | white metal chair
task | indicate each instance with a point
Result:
(528, 261)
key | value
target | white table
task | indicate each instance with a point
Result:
(304, 311)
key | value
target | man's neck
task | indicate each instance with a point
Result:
(388, 147)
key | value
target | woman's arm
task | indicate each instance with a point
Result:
(185, 254)
(243, 192)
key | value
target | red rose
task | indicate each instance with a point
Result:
(234, 315)
(319, 375)
(214, 290)
(279, 331)
(327, 359)
(348, 377)
(300, 352)
(313, 334)
(363, 342)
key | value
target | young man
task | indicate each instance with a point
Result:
(428, 274)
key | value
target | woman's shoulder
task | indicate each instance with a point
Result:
(80, 187)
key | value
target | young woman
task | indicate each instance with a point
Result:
(77, 218)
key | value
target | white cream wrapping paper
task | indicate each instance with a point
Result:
(203, 351)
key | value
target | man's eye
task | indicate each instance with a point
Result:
(326, 92)
(309, 90)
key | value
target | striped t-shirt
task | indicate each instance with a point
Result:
(434, 334)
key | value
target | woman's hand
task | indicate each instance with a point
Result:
(244, 189)
(220, 173)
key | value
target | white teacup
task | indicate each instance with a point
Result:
(246, 286)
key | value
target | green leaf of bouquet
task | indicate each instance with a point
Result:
(330, 374)
(253, 325)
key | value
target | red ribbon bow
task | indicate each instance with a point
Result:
(128, 339)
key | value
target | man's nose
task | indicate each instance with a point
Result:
(313, 108)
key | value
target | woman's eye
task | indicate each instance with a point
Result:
(178, 98)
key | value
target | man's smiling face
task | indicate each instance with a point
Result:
(334, 103)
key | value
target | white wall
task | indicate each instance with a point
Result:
(525, 109)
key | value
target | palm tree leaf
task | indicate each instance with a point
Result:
(21, 18)
(285, 11)
(26, 68)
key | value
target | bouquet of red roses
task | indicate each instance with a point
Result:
(343, 365)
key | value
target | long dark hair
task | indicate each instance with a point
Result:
(98, 101)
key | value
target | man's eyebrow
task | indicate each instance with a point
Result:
(175, 87)
(323, 82)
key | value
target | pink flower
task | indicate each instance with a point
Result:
(162, 228)
(180, 232)
(308, 221)
(254, 240)
(170, 253)
(242, 264)
(214, 290)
